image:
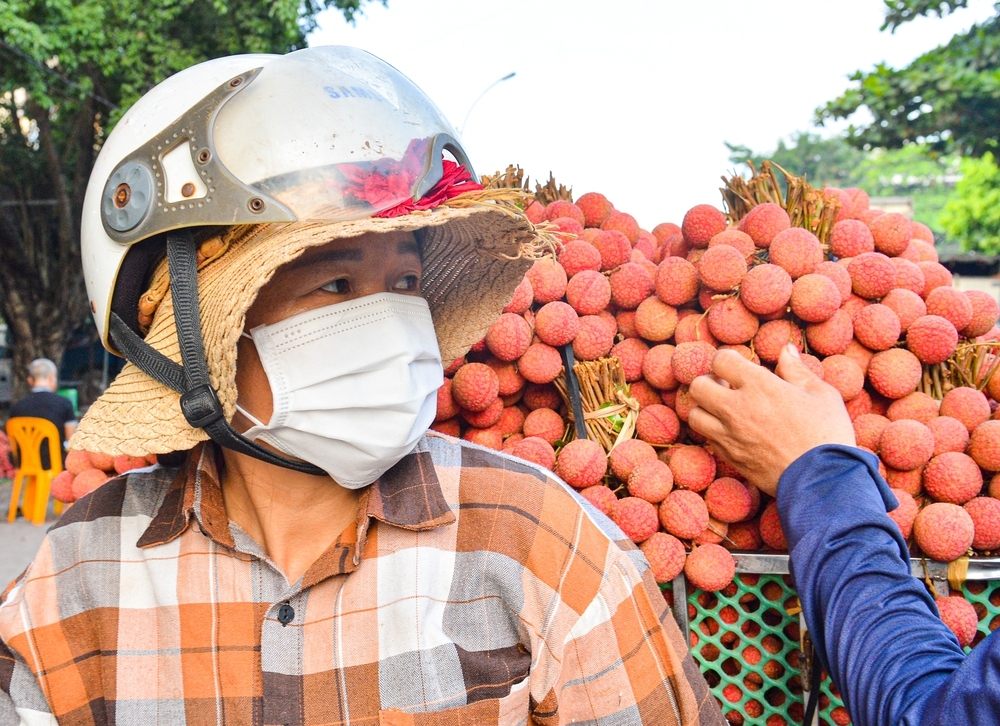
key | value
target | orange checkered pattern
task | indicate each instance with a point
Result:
(476, 589)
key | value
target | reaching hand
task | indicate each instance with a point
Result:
(762, 423)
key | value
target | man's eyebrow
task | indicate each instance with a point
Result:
(350, 254)
(408, 247)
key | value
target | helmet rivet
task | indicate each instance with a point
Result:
(204, 155)
(122, 194)
(235, 82)
(187, 190)
(256, 205)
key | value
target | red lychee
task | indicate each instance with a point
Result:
(701, 223)
(636, 517)
(985, 513)
(832, 336)
(764, 222)
(593, 340)
(564, 208)
(770, 528)
(872, 275)
(906, 444)
(949, 434)
(907, 305)
(540, 363)
(984, 445)
(691, 360)
(722, 267)
(895, 372)
(658, 424)
(917, 406)
(475, 386)
(676, 281)
(625, 456)
(730, 322)
(773, 336)
(87, 481)
(536, 450)
(651, 480)
(891, 232)
(815, 298)
(630, 285)
(665, 554)
(766, 289)
(509, 337)
(581, 463)
(728, 500)
(486, 418)
(905, 513)
(968, 405)
(595, 207)
(631, 352)
(657, 368)
(952, 477)
(544, 423)
(960, 616)
(522, 298)
(943, 531)
(877, 327)
(710, 567)
(951, 304)
(843, 374)
(935, 275)
(578, 255)
(693, 467)
(850, 238)
(588, 292)
(868, 429)
(601, 497)
(683, 514)
(556, 323)
(655, 320)
(614, 247)
(932, 338)
(797, 251)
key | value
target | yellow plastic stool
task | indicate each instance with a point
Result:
(26, 434)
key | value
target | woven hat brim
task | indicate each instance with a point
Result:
(473, 259)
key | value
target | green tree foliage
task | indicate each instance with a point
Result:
(972, 214)
(913, 170)
(68, 70)
(948, 98)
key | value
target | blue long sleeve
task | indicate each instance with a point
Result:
(874, 625)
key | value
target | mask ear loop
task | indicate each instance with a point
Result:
(246, 414)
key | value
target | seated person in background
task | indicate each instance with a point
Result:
(875, 627)
(44, 402)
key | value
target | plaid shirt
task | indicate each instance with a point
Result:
(476, 589)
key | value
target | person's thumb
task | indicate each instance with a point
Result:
(791, 368)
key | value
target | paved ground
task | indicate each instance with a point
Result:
(19, 540)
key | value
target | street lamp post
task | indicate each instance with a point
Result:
(486, 90)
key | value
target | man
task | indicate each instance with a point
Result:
(44, 402)
(875, 627)
(319, 557)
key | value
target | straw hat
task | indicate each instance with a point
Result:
(475, 250)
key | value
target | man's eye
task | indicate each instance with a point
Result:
(340, 286)
(410, 283)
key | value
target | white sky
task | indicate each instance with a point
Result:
(634, 98)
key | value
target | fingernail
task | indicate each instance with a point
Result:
(793, 350)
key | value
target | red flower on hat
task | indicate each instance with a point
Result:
(388, 180)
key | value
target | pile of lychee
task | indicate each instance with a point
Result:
(871, 309)
(85, 471)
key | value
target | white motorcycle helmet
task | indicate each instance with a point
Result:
(227, 142)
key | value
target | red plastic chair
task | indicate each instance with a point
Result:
(26, 435)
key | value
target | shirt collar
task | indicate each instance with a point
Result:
(408, 496)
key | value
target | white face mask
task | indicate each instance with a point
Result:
(354, 384)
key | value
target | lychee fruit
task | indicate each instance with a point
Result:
(766, 289)
(486, 418)
(968, 405)
(631, 352)
(960, 616)
(652, 480)
(683, 514)
(522, 298)
(710, 567)
(588, 292)
(764, 222)
(910, 482)
(509, 337)
(728, 500)
(850, 238)
(907, 305)
(87, 481)
(511, 421)
(624, 223)
(722, 267)
(935, 275)
(449, 427)
(730, 322)
(636, 517)
(665, 554)
(984, 313)
(832, 336)
(773, 336)
(798, 251)
(475, 386)
(815, 298)
(877, 327)
(644, 393)
(740, 241)
(535, 450)
(693, 468)
(665, 230)
(985, 513)
(691, 327)
(701, 223)
(932, 338)
(630, 285)
(872, 275)
(556, 323)
(868, 429)
(544, 423)
(944, 531)
(843, 374)
(593, 340)
(577, 256)
(917, 406)
(595, 207)
(744, 536)
(658, 424)
(952, 477)
(535, 212)
(770, 528)
(540, 363)
(548, 280)
(891, 232)
(905, 513)
(951, 304)
(601, 497)
(541, 396)
(614, 247)
(625, 456)
(581, 463)
(691, 360)
(564, 208)
(906, 444)
(949, 434)
(79, 461)
(984, 445)
(61, 487)
(895, 372)
(655, 320)
(839, 275)
(676, 281)
(104, 462)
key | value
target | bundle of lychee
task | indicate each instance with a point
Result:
(858, 291)
(85, 471)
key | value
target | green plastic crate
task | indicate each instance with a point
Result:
(746, 638)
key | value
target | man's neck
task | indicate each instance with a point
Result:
(295, 517)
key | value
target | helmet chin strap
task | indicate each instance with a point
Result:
(199, 401)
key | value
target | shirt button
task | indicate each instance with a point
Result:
(285, 614)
